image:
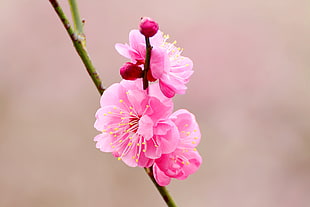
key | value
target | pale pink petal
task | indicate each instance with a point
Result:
(145, 127)
(137, 100)
(169, 140)
(188, 127)
(103, 142)
(158, 62)
(160, 177)
(194, 160)
(145, 161)
(165, 140)
(114, 95)
(157, 110)
(136, 39)
(123, 49)
(179, 164)
(157, 40)
(173, 82)
(182, 64)
(132, 85)
(153, 151)
(105, 116)
(154, 90)
(128, 158)
(166, 89)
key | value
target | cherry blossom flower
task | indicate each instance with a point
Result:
(135, 125)
(185, 160)
(166, 64)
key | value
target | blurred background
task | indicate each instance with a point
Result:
(250, 93)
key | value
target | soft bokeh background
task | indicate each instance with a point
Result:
(250, 93)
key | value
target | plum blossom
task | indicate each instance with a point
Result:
(185, 160)
(130, 71)
(135, 125)
(166, 64)
(148, 27)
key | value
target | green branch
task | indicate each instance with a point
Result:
(162, 190)
(78, 25)
(78, 41)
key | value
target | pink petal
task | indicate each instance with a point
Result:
(188, 127)
(158, 62)
(123, 49)
(137, 42)
(173, 82)
(129, 160)
(160, 177)
(145, 127)
(166, 142)
(194, 160)
(153, 151)
(105, 116)
(169, 138)
(179, 164)
(158, 110)
(157, 40)
(114, 95)
(167, 90)
(103, 142)
(137, 99)
(154, 90)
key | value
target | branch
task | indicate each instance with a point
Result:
(79, 41)
(162, 189)
(147, 63)
(78, 25)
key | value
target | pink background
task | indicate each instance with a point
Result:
(250, 93)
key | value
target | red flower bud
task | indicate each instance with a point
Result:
(130, 71)
(148, 27)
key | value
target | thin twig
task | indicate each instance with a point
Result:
(147, 63)
(78, 25)
(162, 190)
(78, 41)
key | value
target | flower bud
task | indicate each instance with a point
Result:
(130, 71)
(148, 27)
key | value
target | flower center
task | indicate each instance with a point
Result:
(133, 124)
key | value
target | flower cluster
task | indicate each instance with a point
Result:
(139, 126)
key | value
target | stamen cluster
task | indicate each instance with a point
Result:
(137, 123)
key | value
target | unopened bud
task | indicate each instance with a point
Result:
(148, 27)
(130, 71)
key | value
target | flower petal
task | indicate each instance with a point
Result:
(160, 177)
(188, 127)
(123, 49)
(145, 127)
(137, 42)
(158, 62)
(166, 89)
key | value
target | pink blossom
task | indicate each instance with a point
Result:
(148, 27)
(135, 125)
(130, 71)
(166, 64)
(185, 160)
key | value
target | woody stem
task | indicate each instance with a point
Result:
(161, 189)
(147, 62)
